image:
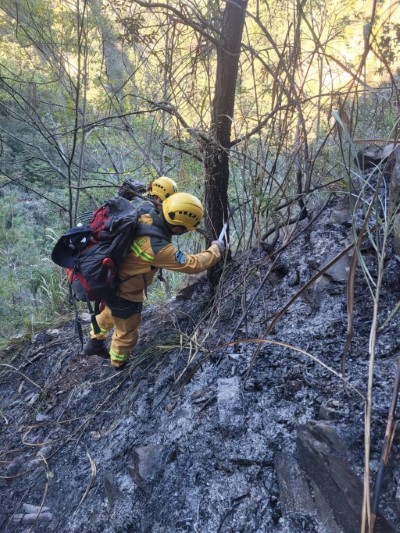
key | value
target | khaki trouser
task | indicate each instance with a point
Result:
(125, 335)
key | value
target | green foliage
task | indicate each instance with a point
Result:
(51, 295)
(32, 290)
(389, 40)
(37, 172)
(162, 291)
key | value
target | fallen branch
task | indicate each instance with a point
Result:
(93, 470)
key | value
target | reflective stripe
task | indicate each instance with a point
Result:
(100, 336)
(141, 254)
(118, 357)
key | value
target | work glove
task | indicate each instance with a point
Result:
(221, 246)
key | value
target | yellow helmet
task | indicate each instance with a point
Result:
(183, 209)
(163, 187)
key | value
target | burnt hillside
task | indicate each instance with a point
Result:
(255, 436)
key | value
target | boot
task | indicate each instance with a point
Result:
(96, 347)
(118, 366)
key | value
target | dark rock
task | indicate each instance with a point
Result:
(326, 460)
(369, 157)
(230, 406)
(148, 460)
(295, 495)
(111, 490)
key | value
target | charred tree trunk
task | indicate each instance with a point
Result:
(217, 151)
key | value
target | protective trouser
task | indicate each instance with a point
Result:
(125, 317)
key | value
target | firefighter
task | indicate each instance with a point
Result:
(160, 189)
(157, 191)
(180, 213)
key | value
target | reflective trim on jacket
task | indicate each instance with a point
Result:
(148, 254)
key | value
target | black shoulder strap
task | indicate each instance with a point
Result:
(151, 231)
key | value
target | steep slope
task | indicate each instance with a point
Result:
(192, 437)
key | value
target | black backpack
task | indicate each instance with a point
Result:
(92, 253)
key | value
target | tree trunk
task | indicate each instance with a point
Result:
(216, 153)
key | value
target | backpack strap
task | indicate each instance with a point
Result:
(93, 313)
(77, 322)
(151, 231)
(147, 230)
(160, 275)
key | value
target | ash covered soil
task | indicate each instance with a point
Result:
(193, 437)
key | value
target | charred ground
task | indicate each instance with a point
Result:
(194, 438)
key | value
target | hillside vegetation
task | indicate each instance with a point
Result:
(276, 108)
